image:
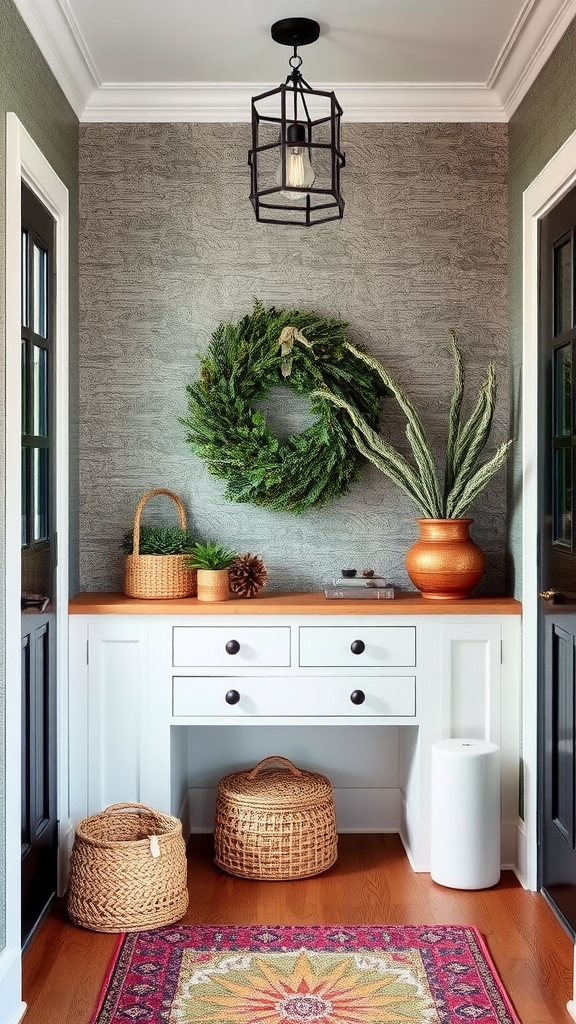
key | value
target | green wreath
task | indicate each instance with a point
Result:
(267, 348)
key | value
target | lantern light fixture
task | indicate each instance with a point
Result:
(296, 156)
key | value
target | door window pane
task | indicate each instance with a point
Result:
(563, 391)
(24, 390)
(25, 282)
(562, 496)
(563, 287)
(25, 515)
(40, 489)
(40, 387)
(40, 298)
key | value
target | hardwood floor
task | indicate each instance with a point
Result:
(372, 883)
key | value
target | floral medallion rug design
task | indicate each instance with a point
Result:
(298, 975)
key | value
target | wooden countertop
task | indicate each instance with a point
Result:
(104, 603)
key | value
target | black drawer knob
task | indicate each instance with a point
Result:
(232, 647)
(357, 646)
(232, 697)
(357, 696)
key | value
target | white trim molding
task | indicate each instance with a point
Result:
(25, 162)
(51, 25)
(537, 30)
(555, 179)
(229, 102)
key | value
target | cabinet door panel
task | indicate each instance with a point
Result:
(117, 691)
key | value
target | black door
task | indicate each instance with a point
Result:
(39, 824)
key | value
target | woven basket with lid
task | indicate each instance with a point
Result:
(275, 822)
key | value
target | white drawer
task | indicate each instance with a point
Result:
(357, 646)
(198, 697)
(231, 646)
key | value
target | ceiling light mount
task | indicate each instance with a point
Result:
(295, 31)
(296, 156)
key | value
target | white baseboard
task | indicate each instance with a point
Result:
(520, 859)
(65, 842)
(508, 846)
(12, 1008)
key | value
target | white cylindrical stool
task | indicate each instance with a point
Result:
(465, 814)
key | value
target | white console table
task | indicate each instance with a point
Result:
(161, 693)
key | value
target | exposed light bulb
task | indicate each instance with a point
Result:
(299, 170)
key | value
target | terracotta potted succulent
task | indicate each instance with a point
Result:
(212, 562)
(445, 562)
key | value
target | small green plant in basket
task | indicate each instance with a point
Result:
(159, 540)
(212, 561)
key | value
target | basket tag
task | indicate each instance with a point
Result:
(154, 846)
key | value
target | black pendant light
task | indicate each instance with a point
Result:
(296, 157)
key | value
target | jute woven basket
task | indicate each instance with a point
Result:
(275, 822)
(127, 870)
(159, 577)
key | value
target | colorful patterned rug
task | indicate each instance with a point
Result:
(294, 975)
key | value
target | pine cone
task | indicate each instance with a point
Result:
(247, 575)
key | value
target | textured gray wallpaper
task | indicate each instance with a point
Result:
(169, 247)
(542, 122)
(28, 88)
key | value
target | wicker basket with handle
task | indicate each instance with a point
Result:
(127, 870)
(159, 577)
(275, 822)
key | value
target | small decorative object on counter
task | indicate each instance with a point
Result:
(127, 870)
(276, 822)
(348, 574)
(156, 564)
(212, 562)
(366, 592)
(247, 575)
(359, 582)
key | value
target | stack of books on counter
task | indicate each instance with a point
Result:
(371, 588)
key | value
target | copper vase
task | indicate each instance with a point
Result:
(445, 563)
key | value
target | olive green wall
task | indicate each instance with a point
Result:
(28, 88)
(542, 122)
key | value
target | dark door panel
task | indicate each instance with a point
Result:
(39, 824)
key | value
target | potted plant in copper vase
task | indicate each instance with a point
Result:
(445, 562)
(212, 562)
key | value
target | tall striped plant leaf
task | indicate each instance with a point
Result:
(415, 430)
(454, 418)
(464, 478)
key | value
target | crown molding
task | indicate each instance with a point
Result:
(229, 102)
(55, 32)
(537, 32)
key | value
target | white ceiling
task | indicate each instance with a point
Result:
(202, 60)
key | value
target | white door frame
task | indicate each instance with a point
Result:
(25, 161)
(555, 179)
